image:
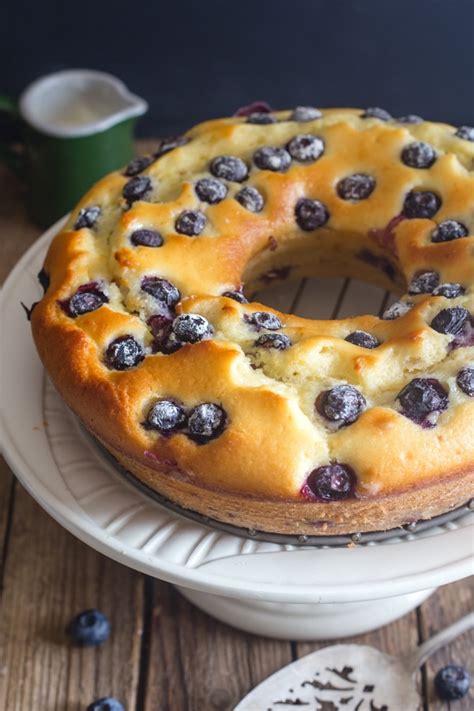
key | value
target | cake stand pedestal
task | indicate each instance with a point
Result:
(309, 621)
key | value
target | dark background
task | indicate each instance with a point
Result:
(195, 60)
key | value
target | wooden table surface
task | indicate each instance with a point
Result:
(163, 654)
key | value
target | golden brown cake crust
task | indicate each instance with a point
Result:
(253, 472)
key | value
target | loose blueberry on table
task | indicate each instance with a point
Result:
(90, 628)
(205, 422)
(107, 703)
(331, 482)
(452, 682)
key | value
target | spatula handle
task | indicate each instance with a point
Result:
(425, 650)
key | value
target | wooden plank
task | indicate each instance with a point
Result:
(197, 663)
(445, 606)
(49, 577)
(7, 492)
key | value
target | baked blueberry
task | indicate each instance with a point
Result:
(210, 190)
(205, 422)
(262, 107)
(160, 326)
(89, 628)
(279, 341)
(410, 118)
(137, 165)
(451, 321)
(169, 144)
(331, 482)
(87, 217)
(422, 400)
(261, 117)
(190, 223)
(161, 290)
(396, 310)
(236, 296)
(378, 113)
(124, 353)
(85, 300)
(305, 148)
(165, 416)
(229, 168)
(107, 703)
(452, 682)
(419, 155)
(423, 283)
(356, 187)
(146, 238)
(191, 328)
(305, 113)
(449, 291)
(342, 404)
(272, 158)
(250, 198)
(136, 188)
(43, 278)
(422, 204)
(362, 339)
(311, 214)
(465, 380)
(263, 319)
(465, 132)
(449, 230)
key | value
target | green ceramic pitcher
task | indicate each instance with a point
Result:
(75, 126)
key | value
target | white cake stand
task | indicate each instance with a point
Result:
(266, 588)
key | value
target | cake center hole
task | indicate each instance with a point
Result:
(325, 297)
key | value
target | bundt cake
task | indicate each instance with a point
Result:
(258, 418)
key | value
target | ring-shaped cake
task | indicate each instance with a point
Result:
(258, 418)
